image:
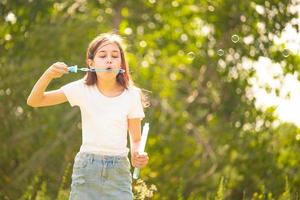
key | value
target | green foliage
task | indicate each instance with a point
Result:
(221, 190)
(41, 194)
(287, 192)
(204, 123)
(31, 189)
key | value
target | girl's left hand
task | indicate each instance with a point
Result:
(139, 160)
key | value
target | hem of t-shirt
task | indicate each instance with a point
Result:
(136, 116)
(105, 153)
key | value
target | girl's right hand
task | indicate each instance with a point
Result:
(56, 70)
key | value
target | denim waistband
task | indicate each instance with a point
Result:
(99, 157)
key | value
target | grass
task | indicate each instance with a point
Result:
(37, 190)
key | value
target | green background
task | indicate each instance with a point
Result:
(207, 139)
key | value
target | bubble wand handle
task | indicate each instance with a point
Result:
(75, 69)
(141, 149)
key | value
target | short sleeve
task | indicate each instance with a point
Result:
(74, 92)
(136, 108)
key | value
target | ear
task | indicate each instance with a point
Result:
(90, 62)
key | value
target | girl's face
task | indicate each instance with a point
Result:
(107, 55)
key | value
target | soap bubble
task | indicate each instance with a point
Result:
(220, 52)
(286, 53)
(235, 38)
(191, 55)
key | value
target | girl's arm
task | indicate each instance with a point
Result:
(137, 160)
(134, 127)
(38, 97)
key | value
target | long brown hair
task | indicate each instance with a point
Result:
(124, 79)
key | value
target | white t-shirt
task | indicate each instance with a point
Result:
(104, 119)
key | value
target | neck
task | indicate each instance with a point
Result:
(107, 85)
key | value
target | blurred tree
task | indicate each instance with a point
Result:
(191, 55)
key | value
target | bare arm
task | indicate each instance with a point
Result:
(137, 160)
(38, 97)
(134, 127)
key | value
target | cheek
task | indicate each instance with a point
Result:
(98, 60)
(118, 60)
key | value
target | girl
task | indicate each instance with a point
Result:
(110, 105)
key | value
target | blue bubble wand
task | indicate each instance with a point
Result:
(75, 69)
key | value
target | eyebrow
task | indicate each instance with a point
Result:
(114, 51)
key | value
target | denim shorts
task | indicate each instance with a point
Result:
(97, 177)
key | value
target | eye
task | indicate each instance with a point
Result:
(105, 55)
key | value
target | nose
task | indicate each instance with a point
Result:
(108, 60)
